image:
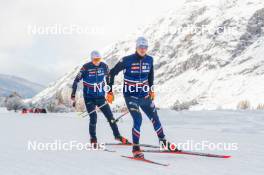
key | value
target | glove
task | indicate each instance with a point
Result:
(152, 95)
(73, 101)
(110, 97)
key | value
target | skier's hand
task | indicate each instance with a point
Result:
(110, 97)
(152, 95)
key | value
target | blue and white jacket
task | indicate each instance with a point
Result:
(138, 75)
(93, 80)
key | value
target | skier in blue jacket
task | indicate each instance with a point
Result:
(93, 75)
(138, 91)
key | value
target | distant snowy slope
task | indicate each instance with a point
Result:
(23, 87)
(216, 66)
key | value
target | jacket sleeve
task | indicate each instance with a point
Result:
(151, 77)
(76, 81)
(113, 72)
(107, 70)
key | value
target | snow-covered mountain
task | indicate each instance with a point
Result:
(208, 55)
(25, 88)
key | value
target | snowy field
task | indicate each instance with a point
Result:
(244, 128)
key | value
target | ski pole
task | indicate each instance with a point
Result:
(95, 110)
(118, 118)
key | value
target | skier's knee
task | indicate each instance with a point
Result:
(133, 109)
(93, 120)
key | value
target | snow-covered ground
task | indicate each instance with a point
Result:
(244, 128)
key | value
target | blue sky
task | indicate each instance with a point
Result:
(44, 58)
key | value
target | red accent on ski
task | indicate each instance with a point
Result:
(145, 160)
(188, 153)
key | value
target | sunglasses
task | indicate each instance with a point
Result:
(96, 59)
(143, 47)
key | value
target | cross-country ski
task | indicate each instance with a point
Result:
(187, 153)
(145, 160)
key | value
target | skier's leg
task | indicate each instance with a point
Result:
(150, 110)
(90, 106)
(109, 116)
(133, 108)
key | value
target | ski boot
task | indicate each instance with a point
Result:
(137, 152)
(166, 145)
(123, 140)
(94, 143)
